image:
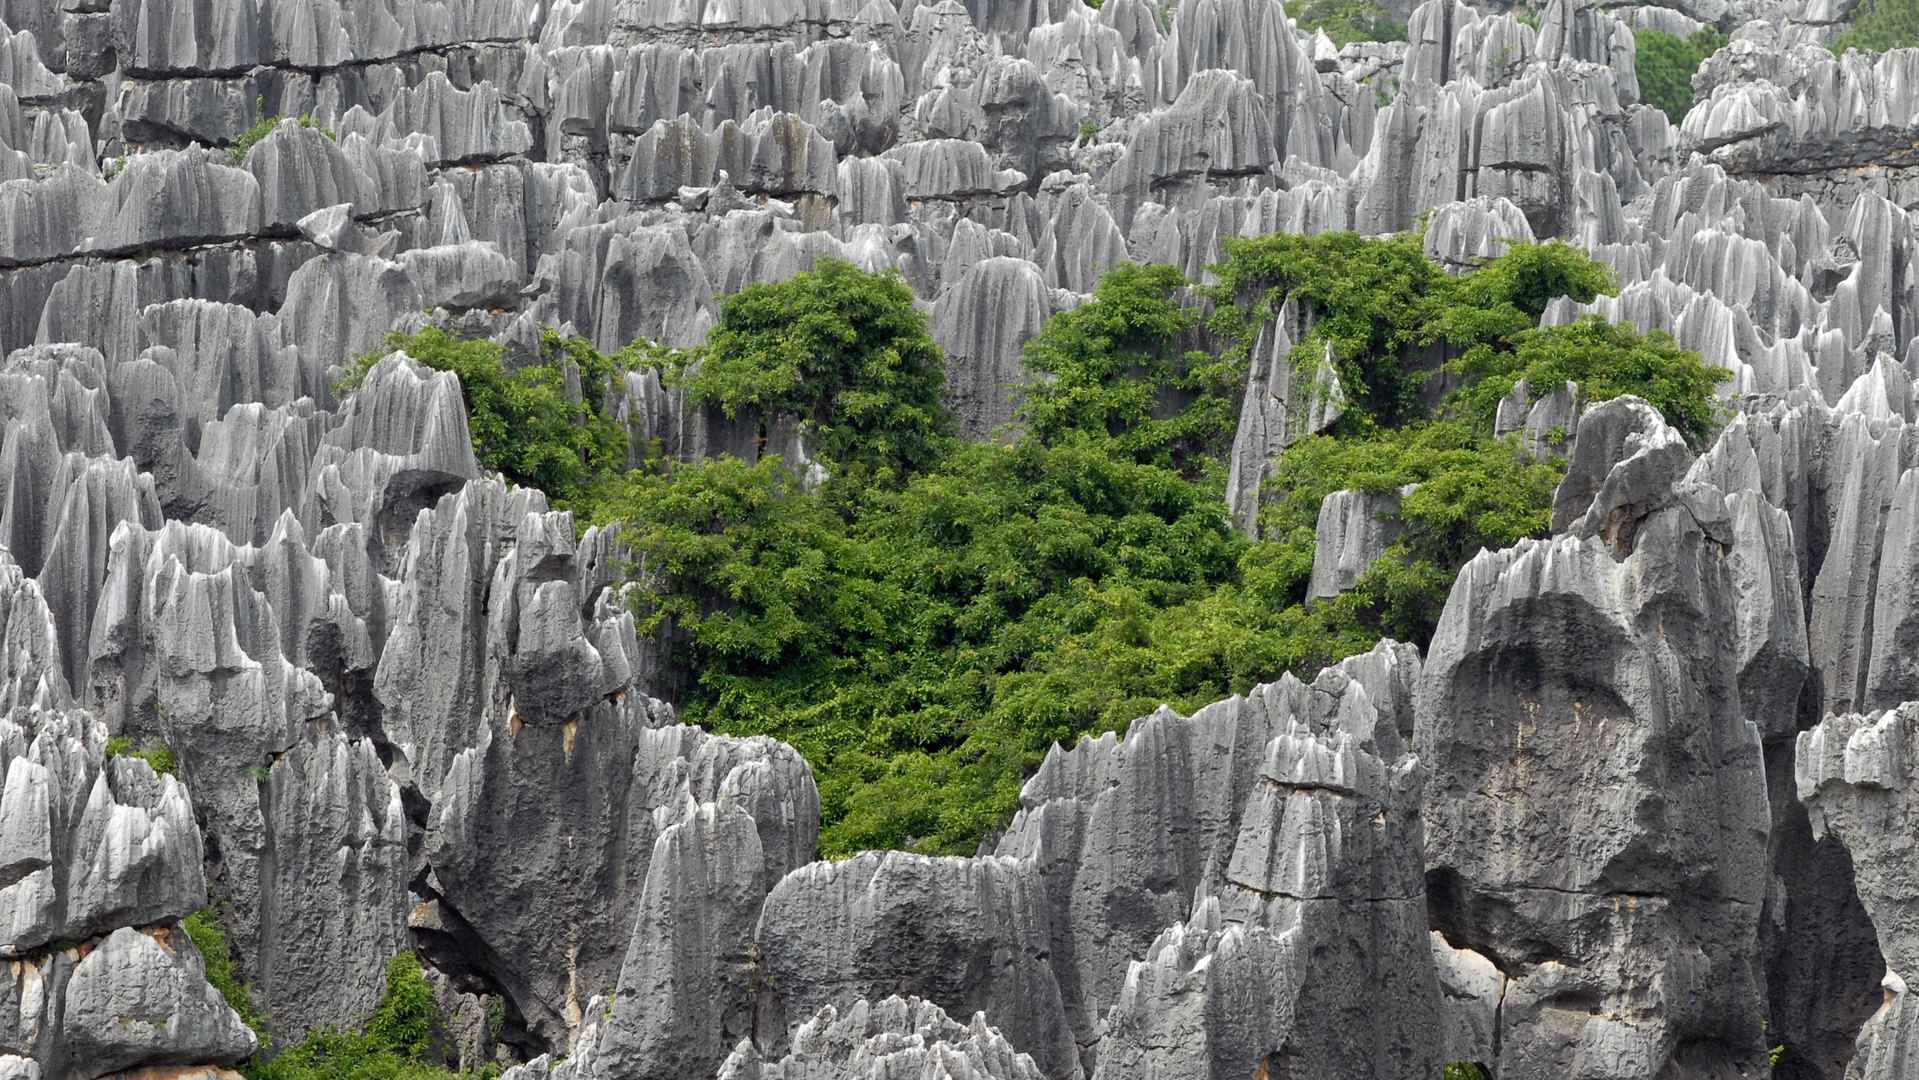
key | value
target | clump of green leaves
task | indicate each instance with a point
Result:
(242, 146)
(157, 755)
(398, 1042)
(1347, 21)
(843, 350)
(1666, 64)
(1879, 25)
(525, 422)
(210, 939)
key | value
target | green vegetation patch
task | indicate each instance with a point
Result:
(1348, 21)
(531, 423)
(157, 755)
(927, 622)
(1666, 64)
(242, 146)
(1879, 25)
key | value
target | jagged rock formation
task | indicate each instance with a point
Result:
(413, 712)
(1603, 660)
(102, 859)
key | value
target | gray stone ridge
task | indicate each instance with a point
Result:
(1637, 812)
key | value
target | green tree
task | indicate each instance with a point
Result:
(1666, 64)
(1606, 360)
(1119, 368)
(1879, 25)
(840, 348)
(1347, 21)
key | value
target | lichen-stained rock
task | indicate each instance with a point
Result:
(1596, 818)
(223, 355)
(88, 844)
(340, 305)
(552, 815)
(462, 127)
(1318, 911)
(1463, 235)
(92, 847)
(982, 323)
(300, 170)
(1869, 458)
(971, 935)
(1853, 774)
(335, 902)
(899, 1036)
(1219, 130)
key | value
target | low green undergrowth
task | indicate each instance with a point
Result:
(157, 755)
(242, 146)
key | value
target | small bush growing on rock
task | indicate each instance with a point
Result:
(397, 1043)
(525, 422)
(242, 146)
(157, 755)
(841, 349)
(210, 939)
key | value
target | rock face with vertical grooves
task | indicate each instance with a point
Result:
(410, 707)
(101, 858)
(1605, 661)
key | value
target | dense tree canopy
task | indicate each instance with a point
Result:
(922, 629)
(1666, 64)
(1879, 25)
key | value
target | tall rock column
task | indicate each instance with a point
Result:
(1596, 810)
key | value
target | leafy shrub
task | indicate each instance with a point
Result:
(210, 939)
(840, 348)
(242, 146)
(1879, 25)
(1606, 360)
(397, 1043)
(1347, 21)
(524, 423)
(157, 755)
(1666, 64)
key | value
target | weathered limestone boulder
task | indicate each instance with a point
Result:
(1128, 831)
(982, 323)
(1596, 815)
(545, 815)
(101, 858)
(972, 933)
(1852, 775)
